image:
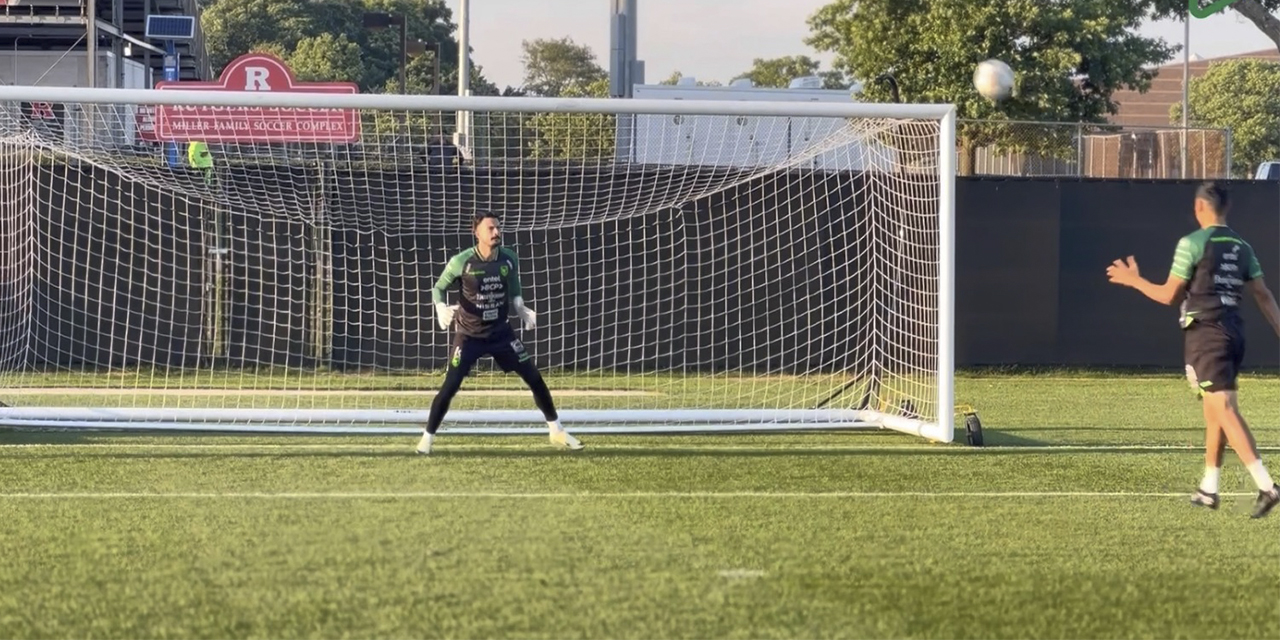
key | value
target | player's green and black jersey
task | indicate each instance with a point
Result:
(1216, 263)
(487, 289)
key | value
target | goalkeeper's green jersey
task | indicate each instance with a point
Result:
(487, 288)
(1216, 263)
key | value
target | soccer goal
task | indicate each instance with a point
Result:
(696, 266)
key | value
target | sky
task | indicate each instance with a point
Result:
(718, 39)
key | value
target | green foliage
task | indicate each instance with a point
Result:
(502, 136)
(677, 75)
(778, 72)
(1244, 96)
(326, 39)
(1069, 56)
(575, 136)
(327, 58)
(554, 67)
(560, 68)
(234, 27)
(1259, 12)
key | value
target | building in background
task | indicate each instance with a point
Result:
(1152, 109)
(729, 141)
(49, 42)
(52, 43)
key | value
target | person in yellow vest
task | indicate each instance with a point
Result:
(200, 159)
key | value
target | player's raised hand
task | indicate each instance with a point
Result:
(444, 315)
(1124, 271)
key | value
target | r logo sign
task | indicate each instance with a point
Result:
(257, 72)
(1217, 6)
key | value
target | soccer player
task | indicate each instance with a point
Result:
(1212, 269)
(489, 279)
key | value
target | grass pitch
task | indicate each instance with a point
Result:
(1073, 522)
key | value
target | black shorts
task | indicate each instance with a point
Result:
(1213, 353)
(504, 347)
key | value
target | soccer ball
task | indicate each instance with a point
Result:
(993, 79)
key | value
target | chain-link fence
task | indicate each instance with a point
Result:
(1092, 150)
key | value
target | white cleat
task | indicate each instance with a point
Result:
(560, 437)
(424, 445)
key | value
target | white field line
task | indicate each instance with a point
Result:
(107, 391)
(1098, 378)
(784, 495)
(655, 447)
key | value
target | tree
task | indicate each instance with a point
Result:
(420, 78)
(778, 72)
(575, 136)
(1070, 57)
(1260, 12)
(553, 66)
(326, 58)
(1243, 95)
(677, 75)
(235, 27)
(328, 39)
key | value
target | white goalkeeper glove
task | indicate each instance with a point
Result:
(444, 314)
(526, 314)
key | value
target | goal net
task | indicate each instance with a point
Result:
(695, 265)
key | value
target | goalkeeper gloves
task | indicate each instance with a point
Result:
(444, 314)
(526, 314)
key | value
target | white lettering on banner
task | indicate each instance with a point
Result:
(258, 73)
(217, 109)
(255, 79)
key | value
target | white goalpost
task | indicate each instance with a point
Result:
(696, 266)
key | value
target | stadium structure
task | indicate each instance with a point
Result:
(50, 43)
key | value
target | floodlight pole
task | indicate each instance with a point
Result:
(462, 122)
(382, 20)
(1186, 86)
(171, 68)
(404, 55)
(464, 47)
(435, 79)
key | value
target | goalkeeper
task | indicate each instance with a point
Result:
(490, 286)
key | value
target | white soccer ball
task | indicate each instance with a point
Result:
(993, 79)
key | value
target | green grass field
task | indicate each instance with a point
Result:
(1072, 523)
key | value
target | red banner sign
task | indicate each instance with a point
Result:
(252, 72)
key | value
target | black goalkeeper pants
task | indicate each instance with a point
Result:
(509, 353)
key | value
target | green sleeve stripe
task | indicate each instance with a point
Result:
(1185, 258)
(513, 280)
(1255, 267)
(452, 271)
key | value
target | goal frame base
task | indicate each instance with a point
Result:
(405, 422)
